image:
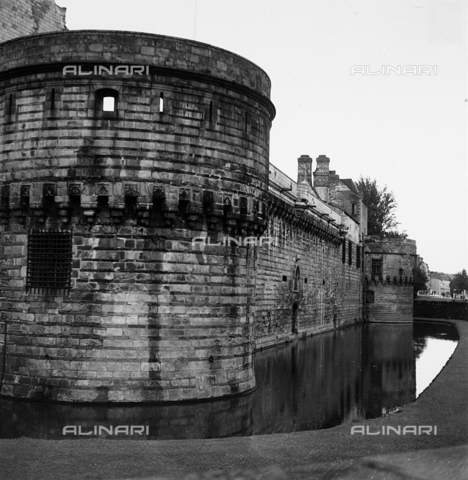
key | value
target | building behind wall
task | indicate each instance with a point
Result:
(440, 284)
(310, 280)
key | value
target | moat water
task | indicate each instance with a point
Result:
(360, 372)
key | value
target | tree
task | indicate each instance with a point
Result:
(459, 282)
(419, 280)
(380, 205)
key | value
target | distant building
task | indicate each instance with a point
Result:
(440, 283)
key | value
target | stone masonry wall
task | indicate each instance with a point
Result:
(145, 320)
(309, 279)
(326, 293)
(28, 17)
(392, 289)
(149, 315)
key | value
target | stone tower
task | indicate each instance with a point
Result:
(117, 149)
(389, 272)
(27, 17)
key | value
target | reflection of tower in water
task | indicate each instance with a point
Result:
(389, 374)
(311, 384)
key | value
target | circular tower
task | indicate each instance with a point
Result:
(118, 151)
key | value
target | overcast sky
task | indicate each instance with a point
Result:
(407, 131)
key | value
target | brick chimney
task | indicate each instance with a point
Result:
(304, 169)
(321, 177)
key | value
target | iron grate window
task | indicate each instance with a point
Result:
(49, 262)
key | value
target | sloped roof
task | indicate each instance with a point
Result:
(441, 276)
(350, 184)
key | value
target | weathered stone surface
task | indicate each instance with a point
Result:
(392, 288)
(27, 17)
(150, 314)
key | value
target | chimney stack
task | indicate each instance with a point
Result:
(321, 177)
(304, 169)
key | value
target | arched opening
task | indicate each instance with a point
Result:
(295, 311)
(297, 279)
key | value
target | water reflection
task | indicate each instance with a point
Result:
(319, 382)
(433, 346)
(312, 384)
(218, 419)
(389, 374)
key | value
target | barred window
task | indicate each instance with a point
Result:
(49, 262)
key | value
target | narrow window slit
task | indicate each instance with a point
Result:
(52, 99)
(10, 105)
(161, 102)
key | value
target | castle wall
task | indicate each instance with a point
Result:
(303, 286)
(106, 296)
(389, 288)
(28, 17)
(147, 316)
(310, 279)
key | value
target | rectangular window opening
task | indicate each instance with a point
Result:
(376, 267)
(49, 262)
(108, 104)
